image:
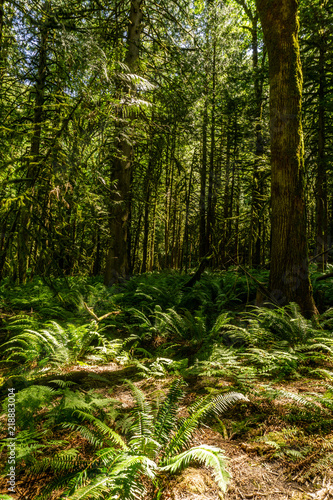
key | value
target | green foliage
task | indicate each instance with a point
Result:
(157, 442)
(57, 345)
(161, 367)
(320, 467)
(160, 337)
(145, 292)
(283, 342)
(210, 456)
(276, 343)
(38, 297)
(40, 411)
(29, 402)
(281, 441)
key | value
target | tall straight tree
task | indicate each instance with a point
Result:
(289, 277)
(317, 30)
(117, 263)
(255, 243)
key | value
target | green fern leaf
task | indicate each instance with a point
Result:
(103, 428)
(208, 455)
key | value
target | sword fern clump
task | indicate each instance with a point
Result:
(58, 345)
(157, 442)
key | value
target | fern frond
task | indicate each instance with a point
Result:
(63, 383)
(295, 454)
(103, 428)
(322, 373)
(127, 461)
(95, 489)
(165, 419)
(222, 403)
(85, 432)
(142, 439)
(320, 467)
(300, 400)
(210, 456)
(198, 411)
(65, 461)
(183, 434)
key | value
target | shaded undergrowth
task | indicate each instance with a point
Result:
(168, 333)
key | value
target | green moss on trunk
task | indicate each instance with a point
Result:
(289, 277)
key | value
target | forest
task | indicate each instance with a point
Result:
(166, 249)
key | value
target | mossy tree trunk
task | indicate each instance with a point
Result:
(2, 17)
(210, 230)
(289, 276)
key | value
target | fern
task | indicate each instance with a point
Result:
(322, 467)
(158, 442)
(100, 426)
(65, 461)
(201, 409)
(285, 323)
(166, 415)
(208, 455)
(29, 402)
(56, 345)
(27, 445)
(299, 400)
(142, 440)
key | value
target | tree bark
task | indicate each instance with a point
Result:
(2, 62)
(226, 195)
(117, 262)
(257, 180)
(289, 276)
(203, 180)
(321, 181)
(33, 163)
(211, 186)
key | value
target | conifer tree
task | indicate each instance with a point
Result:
(289, 275)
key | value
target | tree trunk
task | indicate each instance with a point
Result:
(2, 62)
(257, 180)
(211, 186)
(146, 213)
(321, 181)
(152, 240)
(203, 178)
(33, 164)
(187, 214)
(226, 196)
(117, 263)
(289, 276)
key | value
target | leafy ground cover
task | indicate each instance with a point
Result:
(156, 390)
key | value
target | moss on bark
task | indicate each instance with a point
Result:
(289, 277)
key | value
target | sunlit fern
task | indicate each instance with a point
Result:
(282, 324)
(158, 442)
(57, 345)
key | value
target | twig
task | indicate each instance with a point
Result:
(98, 319)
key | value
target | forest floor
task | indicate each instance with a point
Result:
(278, 440)
(256, 472)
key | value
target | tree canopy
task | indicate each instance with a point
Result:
(136, 137)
